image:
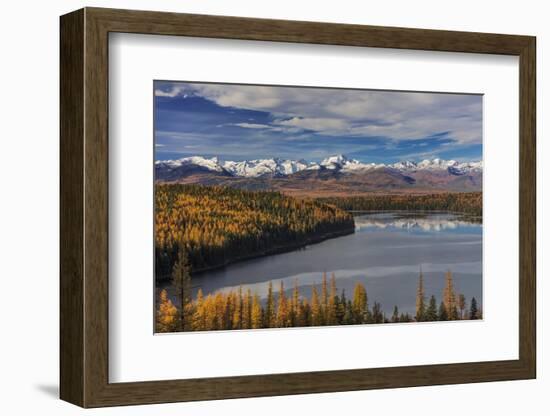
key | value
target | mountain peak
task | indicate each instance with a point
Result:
(341, 163)
(334, 162)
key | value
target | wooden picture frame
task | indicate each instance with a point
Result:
(84, 207)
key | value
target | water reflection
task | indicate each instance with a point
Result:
(385, 254)
(306, 280)
(420, 222)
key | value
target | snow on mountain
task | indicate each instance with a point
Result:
(260, 167)
(452, 166)
(212, 164)
(283, 167)
(347, 165)
(336, 162)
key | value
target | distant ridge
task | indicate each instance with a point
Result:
(336, 175)
(284, 167)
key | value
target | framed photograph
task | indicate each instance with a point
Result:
(257, 207)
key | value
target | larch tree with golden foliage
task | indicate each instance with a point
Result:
(332, 306)
(360, 303)
(167, 314)
(256, 318)
(238, 310)
(316, 318)
(247, 310)
(282, 308)
(324, 298)
(449, 297)
(295, 305)
(270, 307)
(199, 319)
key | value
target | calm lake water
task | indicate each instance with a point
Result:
(385, 253)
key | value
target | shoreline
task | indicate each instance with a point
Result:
(271, 251)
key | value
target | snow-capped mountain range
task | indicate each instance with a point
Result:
(276, 167)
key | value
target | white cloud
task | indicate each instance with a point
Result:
(314, 123)
(397, 115)
(174, 91)
(251, 125)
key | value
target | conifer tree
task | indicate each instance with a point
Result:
(290, 318)
(181, 281)
(316, 318)
(332, 302)
(449, 297)
(304, 316)
(360, 302)
(420, 299)
(473, 309)
(256, 318)
(167, 314)
(237, 309)
(395, 315)
(442, 315)
(377, 315)
(462, 305)
(341, 308)
(220, 305)
(199, 323)
(324, 298)
(348, 314)
(247, 309)
(269, 315)
(210, 313)
(282, 312)
(296, 296)
(431, 312)
(405, 317)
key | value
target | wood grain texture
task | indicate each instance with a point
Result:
(71, 100)
(527, 208)
(84, 207)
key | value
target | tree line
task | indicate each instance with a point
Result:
(465, 202)
(217, 225)
(326, 305)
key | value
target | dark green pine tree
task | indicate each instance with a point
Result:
(420, 298)
(348, 314)
(181, 281)
(405, 317)
(442, 315)
(395, 315)
(431, 312)
(341, 310)
(377, 315)
(473, 309)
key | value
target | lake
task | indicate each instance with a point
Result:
(386, 253)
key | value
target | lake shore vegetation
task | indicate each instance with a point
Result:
(463, 202)
(326, 306)
(217, 225)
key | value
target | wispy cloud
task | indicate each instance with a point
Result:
(251, 126)
(397, 115)
(288, 121)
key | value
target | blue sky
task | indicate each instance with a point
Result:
(238, 122)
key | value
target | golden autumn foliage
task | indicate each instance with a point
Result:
(465, 202)
(219, 225)
(167, 314)
(243, 310)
